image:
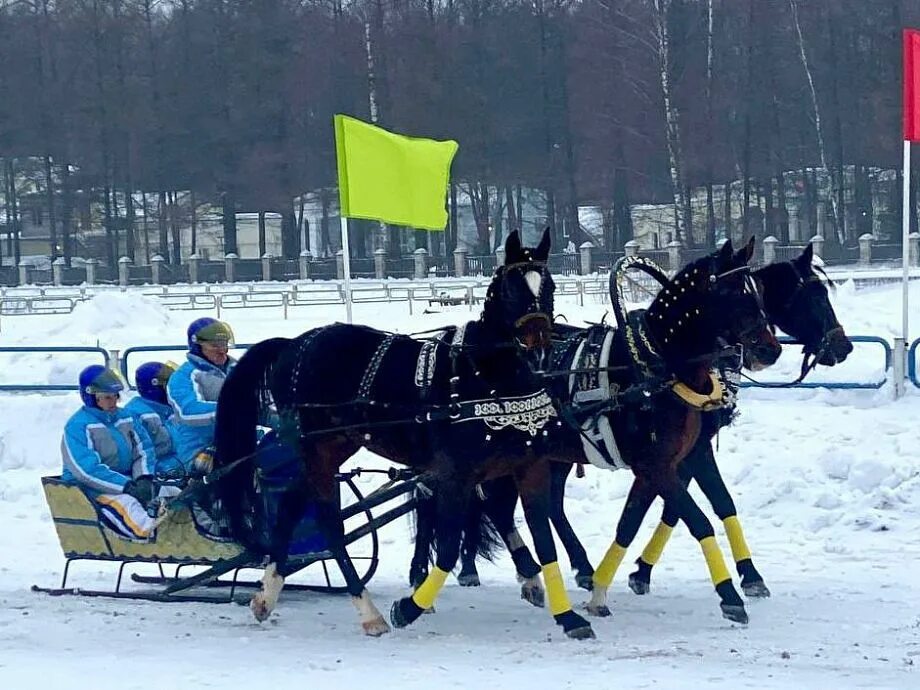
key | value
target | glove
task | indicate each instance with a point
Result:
(141, 488)
(203, 463)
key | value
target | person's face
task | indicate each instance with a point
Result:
(107, 401)
(215, 351)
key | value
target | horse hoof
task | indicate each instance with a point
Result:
(638, 585)
(600, 611)
(404, 612)
(575, 627)
(260, 608)
(585, 581)
(376, 627)
(583, 633)
(734, 613)
(468, 579)
(533, 594)
(755, 590)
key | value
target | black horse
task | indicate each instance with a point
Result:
(462, 408)
(655, 383)
(796, 300)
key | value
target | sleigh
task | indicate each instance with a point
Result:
(189, 564)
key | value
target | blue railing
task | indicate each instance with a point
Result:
(912, 363)
(851, 385)
(45, 387)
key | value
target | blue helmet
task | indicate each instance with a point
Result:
(151, 378)
(207, 329)
(97, 379)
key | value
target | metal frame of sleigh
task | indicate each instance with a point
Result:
(181, 543)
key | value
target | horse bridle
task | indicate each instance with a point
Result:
(810, 355)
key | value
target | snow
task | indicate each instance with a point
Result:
(827, 483)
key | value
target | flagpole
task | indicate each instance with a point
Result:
(346, 260)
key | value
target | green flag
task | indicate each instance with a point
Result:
(390, 177)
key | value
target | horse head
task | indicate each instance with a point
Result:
(796, 301)
(710, 303)
(519, 301)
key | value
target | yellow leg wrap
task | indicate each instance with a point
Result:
(555, 589)
(427, 592)
(716, 564)
(607, 568)
(656, 544)
(740, 550)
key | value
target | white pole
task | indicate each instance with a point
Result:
(905, 234)
(346, 260)
(900, 344)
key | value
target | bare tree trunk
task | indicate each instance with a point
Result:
(162, 229)
(146, 228)
(453, 239)
(672, 129)
(710, 240)
(174, 227)
(193, 217)
(512, 211)
(325, 244)
(819, 132)
(261, 234)
(67, 214)
(110, 249)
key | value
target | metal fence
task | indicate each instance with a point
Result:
(130, 358)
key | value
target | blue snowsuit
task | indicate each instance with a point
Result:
(192, 392)
(158, 421)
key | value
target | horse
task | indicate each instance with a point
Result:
(461, 408)
(656, 395)
(796, 300)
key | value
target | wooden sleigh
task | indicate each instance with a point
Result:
(181, 544)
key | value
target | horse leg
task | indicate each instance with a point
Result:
(469, 545)
(500, 501)
(264, 601)
(330, 521)
(424, 536)
(533, 484)
(640, 578)
(710, 481)
(450, 511)
(731, 603)
(638, 502)
(578, 558)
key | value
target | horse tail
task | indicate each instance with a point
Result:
(240, 406)
(479, 531)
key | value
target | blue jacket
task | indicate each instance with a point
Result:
(103, 450)
(192, 391)
(158, 421)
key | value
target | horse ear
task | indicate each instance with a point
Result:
(542, 251)
(806, 257)
(725, 253)
(513, 248)
(744, 255)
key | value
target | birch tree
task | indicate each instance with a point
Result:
(816, 110)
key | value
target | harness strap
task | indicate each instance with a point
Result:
(367, 381)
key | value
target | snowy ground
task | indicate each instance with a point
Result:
(827, 484)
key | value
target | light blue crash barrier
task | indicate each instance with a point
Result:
(852, 385)
(93, 353)
(912, 363)
(179, 352)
